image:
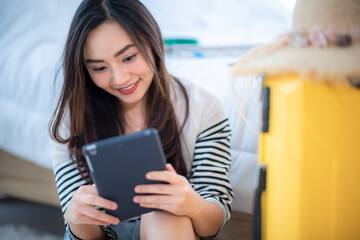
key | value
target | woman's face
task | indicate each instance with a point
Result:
(116, 65)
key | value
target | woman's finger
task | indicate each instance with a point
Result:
(170, 168)
(160, 199)
(89, 220)
(96, 200)
(164, 176)
(154, 188)
(101, 216)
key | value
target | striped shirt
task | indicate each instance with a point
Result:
(206, 148)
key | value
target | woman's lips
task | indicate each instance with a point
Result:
(129, 89)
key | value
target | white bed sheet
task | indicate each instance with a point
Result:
(32, 37)
(31, 43)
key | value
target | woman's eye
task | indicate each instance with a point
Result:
(127, 59)
(99, 69)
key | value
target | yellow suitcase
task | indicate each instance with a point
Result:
(309, 150)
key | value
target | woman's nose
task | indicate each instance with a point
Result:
(120, 76)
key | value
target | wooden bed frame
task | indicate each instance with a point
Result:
(25, 180)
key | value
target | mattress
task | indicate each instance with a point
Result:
(31, 43)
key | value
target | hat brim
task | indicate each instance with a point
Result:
(328, 64)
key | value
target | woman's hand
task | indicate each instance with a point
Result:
(177, 197)
(81, 208)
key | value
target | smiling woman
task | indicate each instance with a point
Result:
(116, 82)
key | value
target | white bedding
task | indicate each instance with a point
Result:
(32, 38)
(31, 43)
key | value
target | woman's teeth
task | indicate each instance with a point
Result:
(129, 87)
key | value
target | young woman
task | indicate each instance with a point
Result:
(115, 82)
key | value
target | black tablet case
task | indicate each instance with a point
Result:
(120, 163)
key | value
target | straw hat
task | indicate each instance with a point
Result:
(324, 44)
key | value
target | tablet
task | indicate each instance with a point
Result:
(120, 163)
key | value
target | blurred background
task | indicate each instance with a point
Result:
(223, 22)
(203, 39)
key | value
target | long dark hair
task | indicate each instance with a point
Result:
(96, 114)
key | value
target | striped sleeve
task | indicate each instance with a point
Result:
(68, 180)
(210, 167)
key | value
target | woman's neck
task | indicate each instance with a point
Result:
(135, 119)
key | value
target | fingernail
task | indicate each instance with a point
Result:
(136, 199)
(114, 206)
(148, 175)
(138, 188)
(116, 221)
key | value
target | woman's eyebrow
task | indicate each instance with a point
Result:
(124, 49)
(121, 51)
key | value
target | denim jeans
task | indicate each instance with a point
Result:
(124, 230)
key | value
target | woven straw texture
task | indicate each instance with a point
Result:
(332, 63)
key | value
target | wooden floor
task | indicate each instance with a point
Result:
(238, 228)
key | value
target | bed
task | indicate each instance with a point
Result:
(31, 44)
(32, 40)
